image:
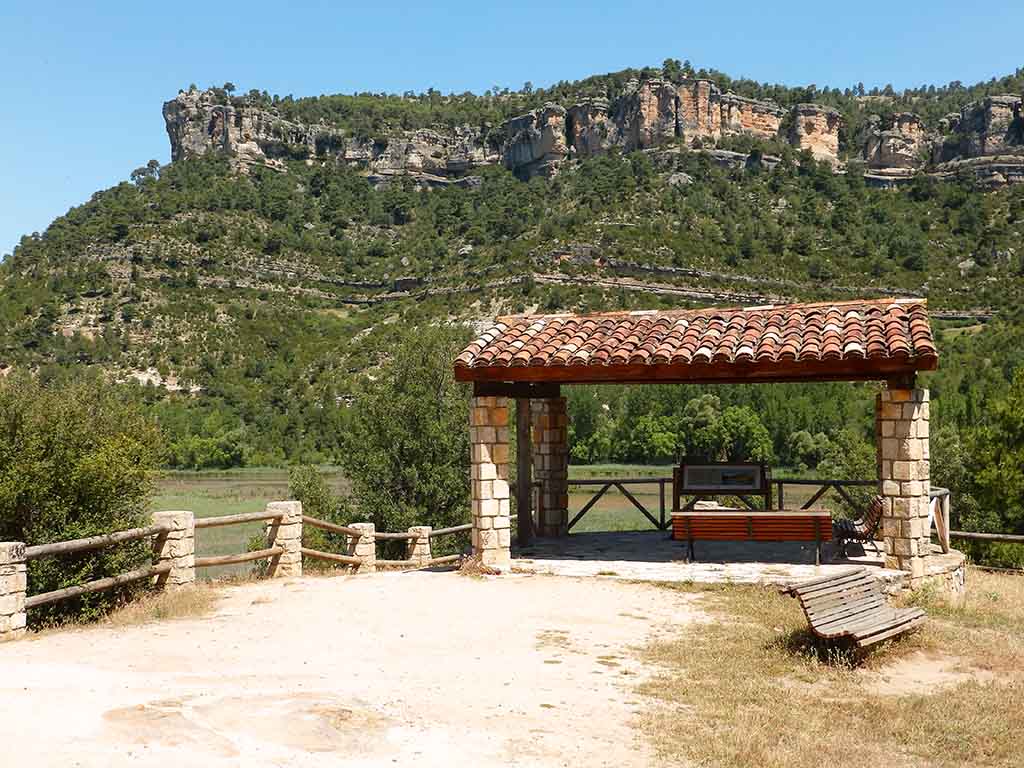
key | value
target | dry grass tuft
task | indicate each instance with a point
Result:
(172, 604)
(755, 687)
(474, 566)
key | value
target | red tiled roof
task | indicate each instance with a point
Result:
(854, 339)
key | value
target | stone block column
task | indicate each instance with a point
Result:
(364, 546)
(418, 547)
(490, 495)
(904, 478)
(178, 547)
(285, 532)
(550, 427)
(13, 586)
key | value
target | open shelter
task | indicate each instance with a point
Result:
(529, 358)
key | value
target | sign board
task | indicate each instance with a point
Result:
(713, 479)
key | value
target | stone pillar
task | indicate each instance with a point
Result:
(490, 505)
(418, 548)
(551, 463)
(13, 585)
(904, 478)
(178, 547)
(285, 532)
(364, 546)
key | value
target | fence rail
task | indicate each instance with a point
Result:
(93, 542)
(241, 557)
(245, 517)
(99, 585)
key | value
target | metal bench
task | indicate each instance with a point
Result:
(851, 604)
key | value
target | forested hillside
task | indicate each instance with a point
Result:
(250, 305)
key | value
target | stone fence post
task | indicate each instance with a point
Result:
(285, 532)
(418, 548)
(364, 546)
(13, 585)
(178, 547)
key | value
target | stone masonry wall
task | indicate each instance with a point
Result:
(490, 505)
(285, 532)
(13, 582)
(177, 547)
(550, 430)
(904, 477)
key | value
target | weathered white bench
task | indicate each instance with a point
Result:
(852, 604)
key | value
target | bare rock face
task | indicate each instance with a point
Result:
(749, 116)
(588, 128)
(991, 127)
(904, 144)
(816, 128)
(646, 114)
(535, 143)
(197, 123)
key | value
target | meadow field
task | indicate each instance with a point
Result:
(228, 492)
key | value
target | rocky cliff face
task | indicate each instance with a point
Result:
(902, 144)
(197, 124)
(986, 137)
(649, 114)
(535, 143)
(816, 128)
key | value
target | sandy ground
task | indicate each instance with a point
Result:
(393, 669)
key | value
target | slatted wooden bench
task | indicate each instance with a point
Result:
(743, 525)
(851, 604)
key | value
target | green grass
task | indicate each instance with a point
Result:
(228, 492)
(753, 687)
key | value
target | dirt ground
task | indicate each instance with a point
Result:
(414, 668)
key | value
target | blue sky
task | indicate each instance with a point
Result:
(81, 84)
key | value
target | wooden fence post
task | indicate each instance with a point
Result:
(176, 546)
(285, 531)
(418, 548)
(364, 546)
(13, 585)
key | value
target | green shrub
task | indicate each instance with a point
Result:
(76, 460)
(407, 443)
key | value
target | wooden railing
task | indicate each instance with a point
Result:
(174, 563)
(659, 522)
(238, 557)
(418, 550)
(88, 544)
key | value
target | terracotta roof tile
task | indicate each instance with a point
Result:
(876, 331)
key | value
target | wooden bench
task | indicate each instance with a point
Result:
(863, 529)
(851, 604)
(742, 525)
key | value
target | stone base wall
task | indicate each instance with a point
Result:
(13, 584)
(490, 493)
(550, 430)
(904, 478)
(178, 547)
(285, 532)
(418, 548)
(364, 546)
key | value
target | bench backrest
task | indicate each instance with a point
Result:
(873, 516)
(833, 596)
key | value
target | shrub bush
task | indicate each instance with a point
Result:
(76, 460)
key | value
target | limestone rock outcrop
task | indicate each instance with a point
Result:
(816, 128)
(535, 143)
(198, 122)
(985, 138)
(903, 144)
